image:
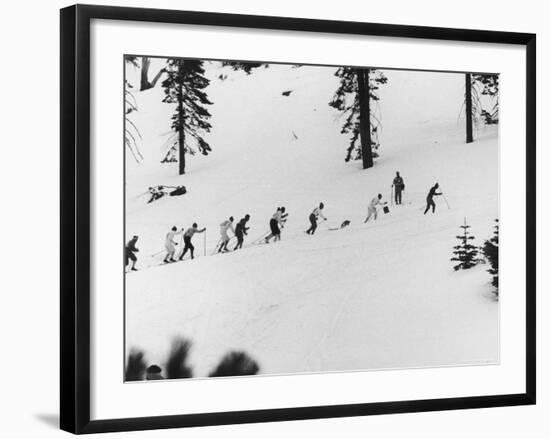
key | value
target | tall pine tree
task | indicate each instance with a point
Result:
(184, 86)
(354, 98)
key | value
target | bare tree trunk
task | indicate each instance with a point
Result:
(469, 115)
(364, 117)
(181, 131)
(144, 83)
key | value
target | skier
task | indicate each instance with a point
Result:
(187, 239)
(179, 190)
(154, 373)
(276, 222)
(284, 217)
(241, 230)
(344, 224)
(130, 251)
(399, 186)
(430, 198)
(317, 212)
(156, 193)
(170, 244)
(224, 227)
(372, 211)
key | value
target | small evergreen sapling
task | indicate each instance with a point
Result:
(490, 250)
(465, 253)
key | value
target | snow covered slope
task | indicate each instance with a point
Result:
(375, 295)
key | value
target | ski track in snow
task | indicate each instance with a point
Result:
(370, 296)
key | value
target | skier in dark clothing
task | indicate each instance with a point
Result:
(187, 240)
(179, 190)
(430, 198)
(130, 251)
(399, 187)
(156, 192)
(276, 223)
(241, 230)
(317, 212)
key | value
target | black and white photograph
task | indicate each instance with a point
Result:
(286, 218)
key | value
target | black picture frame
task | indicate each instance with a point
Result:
(75, 217)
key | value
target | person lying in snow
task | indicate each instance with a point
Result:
(344, 224)
(179, 190)
(156, 192)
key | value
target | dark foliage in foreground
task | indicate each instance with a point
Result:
(235, 364)
(176, 366)
(490, 251)
(135, 367)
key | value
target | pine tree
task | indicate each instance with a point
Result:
(184, 86)
(489, 84)
(354, 97)
(490, 251)
(465, 253)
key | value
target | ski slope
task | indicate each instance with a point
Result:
(371, 296)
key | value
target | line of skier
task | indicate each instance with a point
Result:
(276, 224)
(170, 243)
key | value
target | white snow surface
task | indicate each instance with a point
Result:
(372, 296)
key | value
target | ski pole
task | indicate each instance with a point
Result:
(217, 244)
(157, 253)
(204, 243)
(391, 195)
(446, 202)
(260, 238)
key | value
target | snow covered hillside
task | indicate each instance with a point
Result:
(375, 295)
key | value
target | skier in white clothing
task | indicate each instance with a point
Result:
(224, 227)
(372, 210)
(170, 244)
